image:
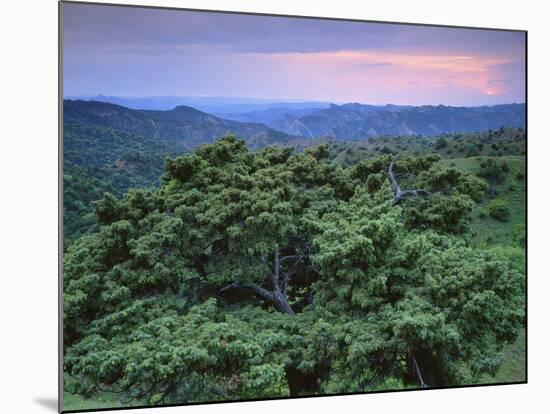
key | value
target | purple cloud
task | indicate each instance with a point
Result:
(129, 51)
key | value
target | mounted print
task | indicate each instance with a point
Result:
(261, 206)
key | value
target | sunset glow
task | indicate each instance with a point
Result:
(144, 52)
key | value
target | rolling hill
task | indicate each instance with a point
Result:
(183, 125)
(356, 121)
(210, 104)
(110, 148)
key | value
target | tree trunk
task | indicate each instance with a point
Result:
(281, 303)
(300, 383)
(278, 281)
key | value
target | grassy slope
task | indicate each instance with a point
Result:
(513, 365)
(508, 142)
(489, 232)
(76, 402)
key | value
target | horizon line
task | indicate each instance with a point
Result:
(274, 100)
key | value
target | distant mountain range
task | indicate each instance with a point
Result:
(270, 116)
(184, 126)
(189, 127)
(212, 105)
(356, 121)
(201, 119)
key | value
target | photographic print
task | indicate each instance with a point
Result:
(261, 207)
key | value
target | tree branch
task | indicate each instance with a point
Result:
(399, 194)
(286, 275)
(260, 291)
(419, 373)
(394, 184)
(285, 258)
(272, 277)
(276, 268)
(231, 286)
(278, 279)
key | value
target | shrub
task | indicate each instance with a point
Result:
(472, 151)
(493, 170)
(440, 143)
(520, 176)
(499, 210)
(519, 234)
(374, 182)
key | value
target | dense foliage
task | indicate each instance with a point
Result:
(493, 170)
(98, 160)
(499, 210)
(274, 273)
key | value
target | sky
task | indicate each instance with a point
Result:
(138, 52)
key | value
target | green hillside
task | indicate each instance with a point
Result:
(510, 189)
(272, 273)
(184, 126)
(494, 143)
(239, 270)
(99, 160)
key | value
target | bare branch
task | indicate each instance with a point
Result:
(311, 267)
(394, 184)
(286, 275)
(260, 291)
(279, 282)
(264, 261)
(231, 286)
(399, 194)
(286, 258)
(419, 373)
(272, 277)
(276, 267)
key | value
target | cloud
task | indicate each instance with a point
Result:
(451, 64)
(374, 65)
(100, 24)
(137, 52)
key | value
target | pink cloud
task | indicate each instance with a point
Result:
(368, 75)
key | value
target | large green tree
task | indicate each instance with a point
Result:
(273, 273)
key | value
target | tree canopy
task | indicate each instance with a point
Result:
(275, 273)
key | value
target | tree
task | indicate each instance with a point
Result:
(426, 302)
(493, 170)
(499, 210)
(472, 151)
(274, 273)
(440, 143)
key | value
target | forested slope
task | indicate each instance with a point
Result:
(275, 273)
